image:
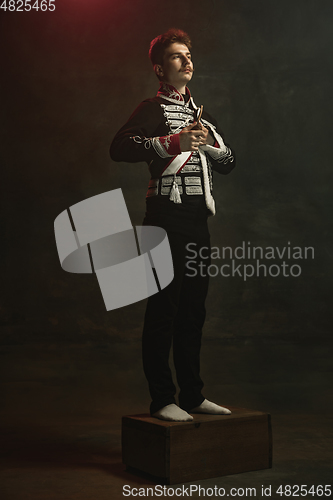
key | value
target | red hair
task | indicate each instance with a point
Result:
(162, 42)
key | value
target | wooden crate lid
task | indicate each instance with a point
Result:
(151, 424)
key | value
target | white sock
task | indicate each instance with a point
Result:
(173, 413)
(210, 408)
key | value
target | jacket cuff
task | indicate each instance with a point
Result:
(219, 154)
(167, 145)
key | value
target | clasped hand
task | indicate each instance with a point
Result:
(193, 136)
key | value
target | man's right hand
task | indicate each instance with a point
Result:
(191, 138)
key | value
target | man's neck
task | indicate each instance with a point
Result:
(181, 88)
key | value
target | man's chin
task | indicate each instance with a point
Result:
(187, 76)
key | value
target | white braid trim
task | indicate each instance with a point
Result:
(222, 153)
(159, 148)
(210, 203)
(219, 154)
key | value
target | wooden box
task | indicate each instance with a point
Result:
(209, 446)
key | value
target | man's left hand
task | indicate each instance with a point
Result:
(206, 138)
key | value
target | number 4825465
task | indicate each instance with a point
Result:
(26, 5)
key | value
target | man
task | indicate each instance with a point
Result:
(181, 152)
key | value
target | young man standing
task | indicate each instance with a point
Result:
(181, 152)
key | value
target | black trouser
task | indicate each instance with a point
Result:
(177, 312)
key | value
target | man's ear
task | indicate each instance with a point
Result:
(158, 70)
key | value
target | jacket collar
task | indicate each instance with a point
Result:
(170, 93)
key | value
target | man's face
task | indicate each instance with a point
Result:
(177, 68)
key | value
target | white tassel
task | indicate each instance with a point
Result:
(174, 193)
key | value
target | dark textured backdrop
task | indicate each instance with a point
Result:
(70, 79)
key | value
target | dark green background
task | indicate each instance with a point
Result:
(70, 79)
